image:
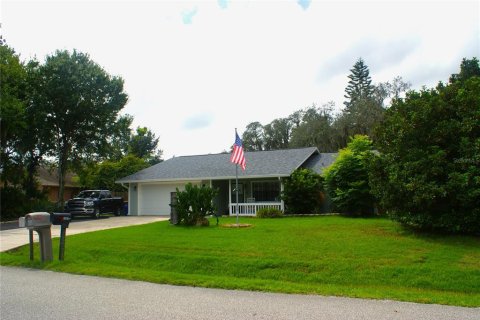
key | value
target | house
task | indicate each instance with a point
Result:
(152, 190)
(48, 182)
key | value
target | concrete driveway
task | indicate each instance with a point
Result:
(13, 238)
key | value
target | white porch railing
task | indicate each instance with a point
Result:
(250, 209)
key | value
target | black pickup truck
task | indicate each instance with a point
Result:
(93, 203)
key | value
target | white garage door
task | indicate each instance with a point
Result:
(154, 199)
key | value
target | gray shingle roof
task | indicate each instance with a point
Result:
(318, 162)
(277, 163)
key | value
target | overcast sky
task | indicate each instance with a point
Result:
(195, 71)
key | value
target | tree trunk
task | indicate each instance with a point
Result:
(62, 170)
(30, 186)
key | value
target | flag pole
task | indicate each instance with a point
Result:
(236, 181)
(236, 188)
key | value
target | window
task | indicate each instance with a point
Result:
(265, 191)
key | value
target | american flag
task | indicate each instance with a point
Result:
(238, 156)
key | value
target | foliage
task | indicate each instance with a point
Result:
(15, 203)
(65, 110)
(277, 133)
(120, 140)
(346, 180)
(194, 203)
(103, 175)
(302, 192)
(82, 102)
(390, 90)
(321, 127)
(144, 144)
(328, 255)
(315, 128)
(269, 213)
(366, 104)
(428, 174)
(360, 84)
(252, 137)
(12, 109)
(468, 68)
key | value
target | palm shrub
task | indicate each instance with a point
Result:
(347, 180)
(194, 203)
(302, 192)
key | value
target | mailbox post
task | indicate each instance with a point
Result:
(39, 222)
(62, 219)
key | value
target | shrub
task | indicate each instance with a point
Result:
(15, 204)
(194, 204)
(302, 192)
(269, 213)
(428, 173)
(346, 180)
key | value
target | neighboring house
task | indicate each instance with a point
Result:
(48, 182)
(152, 190)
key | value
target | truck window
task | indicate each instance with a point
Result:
(105, 194)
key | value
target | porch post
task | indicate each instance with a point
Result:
(229, 197)
(282, 204)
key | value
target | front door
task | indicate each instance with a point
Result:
(221, 200)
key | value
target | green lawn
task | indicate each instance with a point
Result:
(331, 255)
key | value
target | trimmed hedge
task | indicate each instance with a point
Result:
(269, 213)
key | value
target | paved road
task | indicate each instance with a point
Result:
(36, 294)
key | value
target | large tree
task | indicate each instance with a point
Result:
(103, 175)
(360, 84)
(468, 68)
(277, 134)
(363, 109)
(120, 141)
(82, 102)
(428, 173)
(315, 129)
(13, 76)
(252, 137)
(36, 138)
(143, 144)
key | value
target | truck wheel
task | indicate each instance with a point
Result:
(116, 212)
(96, 213)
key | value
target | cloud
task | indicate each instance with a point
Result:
(377, 54)
(188, 15)
(223, 4)
(198, 121)
(304, 3)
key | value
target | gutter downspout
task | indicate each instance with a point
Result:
(128, 190)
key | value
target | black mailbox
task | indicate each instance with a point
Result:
(62, 219)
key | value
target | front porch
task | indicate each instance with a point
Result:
(253, 195)
(250, 209)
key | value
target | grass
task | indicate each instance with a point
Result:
(332, 255)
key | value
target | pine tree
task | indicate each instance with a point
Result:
(360, 84)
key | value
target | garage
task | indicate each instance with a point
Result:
(155, 198)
